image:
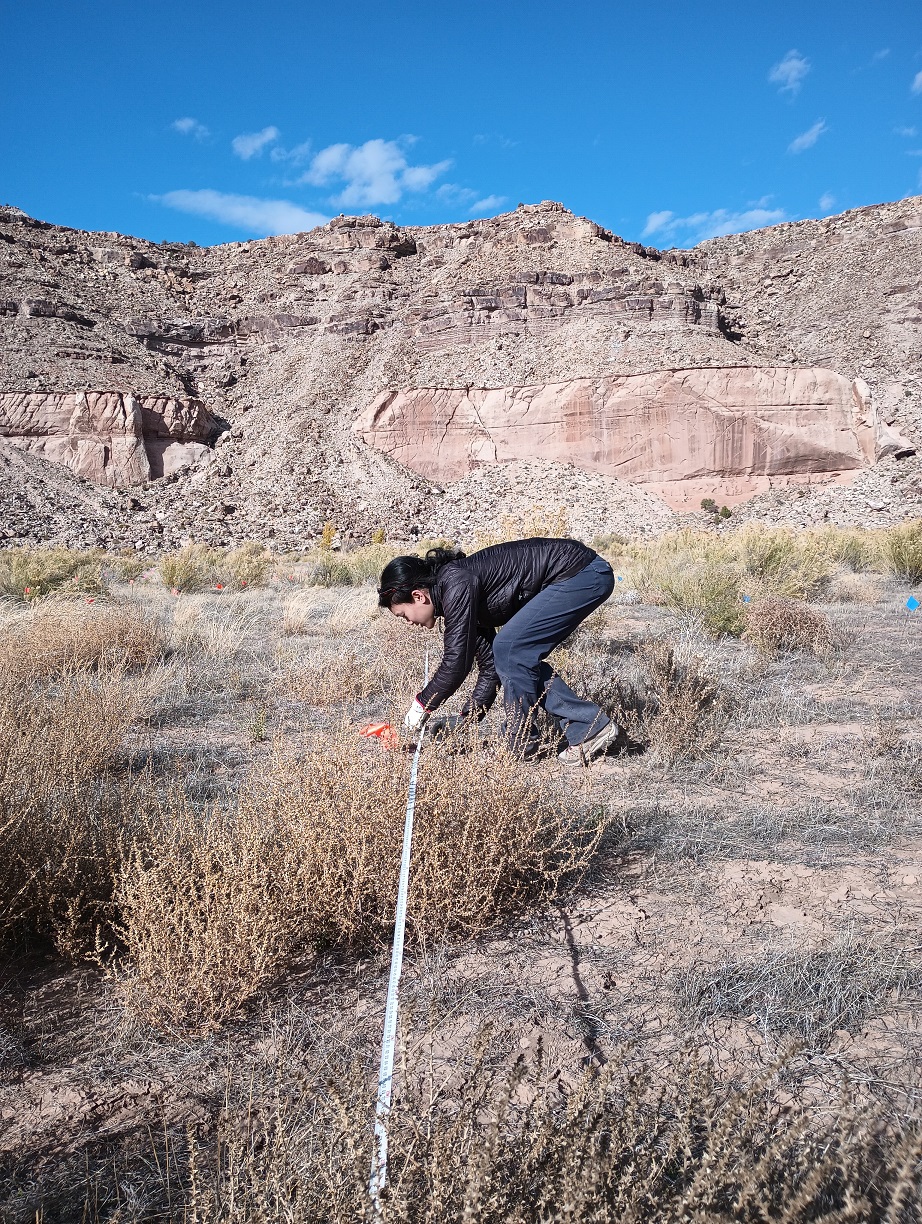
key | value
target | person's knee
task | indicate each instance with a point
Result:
(513, 664)
(502, 652)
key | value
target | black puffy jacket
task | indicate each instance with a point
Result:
(484, 590)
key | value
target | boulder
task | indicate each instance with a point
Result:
(109, 437)
(734, 430)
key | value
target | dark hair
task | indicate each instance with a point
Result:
(404, 575)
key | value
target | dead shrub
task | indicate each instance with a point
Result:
(61, 814)
(685, 708)
(58, 637)
(206, 913)
(213, 909)
(775, 624)
(531, 1143)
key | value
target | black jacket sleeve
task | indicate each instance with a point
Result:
(487, 685)
(459, 608)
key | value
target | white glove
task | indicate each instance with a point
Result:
(416, 716)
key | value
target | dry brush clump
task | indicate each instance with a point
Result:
(57, 636)
(62, 812)
(661, 694)
(215, 906)
(530, 1143)
(775, 624)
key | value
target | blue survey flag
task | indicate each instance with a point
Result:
(912, 603)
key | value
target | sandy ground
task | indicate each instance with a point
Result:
(799, 832)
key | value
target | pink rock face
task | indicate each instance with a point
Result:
(733, 429)
(109, 437)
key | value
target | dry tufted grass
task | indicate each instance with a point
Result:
(214, 906)
(806, 992)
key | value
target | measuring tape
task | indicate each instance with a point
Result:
(378, 1178)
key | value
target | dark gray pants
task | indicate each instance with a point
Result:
(523, 644)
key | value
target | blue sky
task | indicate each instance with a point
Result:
(666, 122)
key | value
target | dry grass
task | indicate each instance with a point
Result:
(214, 907)
(807, 993)
(58, 636)
(525, 1144)
(848, 587)
(775, 624)
(326, 679)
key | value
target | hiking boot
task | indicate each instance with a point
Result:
(582, 754)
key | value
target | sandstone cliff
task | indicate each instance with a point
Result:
(684, 433)
(291, 340)
(110, 438)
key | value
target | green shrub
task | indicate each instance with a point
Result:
(854, 547)
(193, 568)
(781, 562)
(246, 566)
(709, 594)
(27, 574)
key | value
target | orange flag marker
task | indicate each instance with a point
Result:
(382, 731)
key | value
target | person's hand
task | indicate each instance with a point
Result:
(416, 716)
(439, 727)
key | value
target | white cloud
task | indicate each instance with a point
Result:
(701, 225)
(297, 156)
(488, 204)
(807, 139)
(908, 132)
(376, 172)
(827, 201)
(788, 74)
(658, 221)
(251, 144)
(244, 212)
(190, 127)
(453, 193)
(880, 55)
(916, 86)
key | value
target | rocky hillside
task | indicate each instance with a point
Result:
(242, 369)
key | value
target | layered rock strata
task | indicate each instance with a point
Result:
(109, 437)
(291, 338)
(682, 432)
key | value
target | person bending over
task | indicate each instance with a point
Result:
(539, 591)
